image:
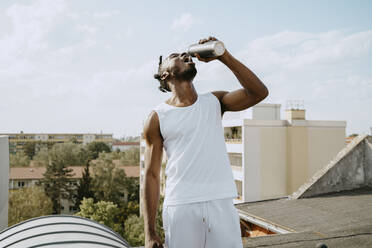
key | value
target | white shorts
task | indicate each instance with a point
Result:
(207, 224)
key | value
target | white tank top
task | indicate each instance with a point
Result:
(198, 167)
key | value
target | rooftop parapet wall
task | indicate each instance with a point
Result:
(368, 160)
(350, 169)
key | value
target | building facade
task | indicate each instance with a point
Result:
(4, 175)
(270, 157)
(17, 141)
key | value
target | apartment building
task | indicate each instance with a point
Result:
(17, 141)
(271, 157)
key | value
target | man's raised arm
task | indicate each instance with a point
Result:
(253, 90)
(153, 158)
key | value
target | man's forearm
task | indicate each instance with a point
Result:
(244, 75)
(151, 200)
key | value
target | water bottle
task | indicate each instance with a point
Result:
(208, 49)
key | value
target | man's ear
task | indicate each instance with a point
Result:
(164, 75)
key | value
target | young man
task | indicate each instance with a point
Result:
(198, 208)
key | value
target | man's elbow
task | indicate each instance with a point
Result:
(264, 94)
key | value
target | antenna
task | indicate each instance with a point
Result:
(295, 105)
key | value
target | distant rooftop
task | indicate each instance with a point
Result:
(35, 173)
(126, 143)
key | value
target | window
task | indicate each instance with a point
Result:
(239, 187)
(21, 184)
(235, 159)
(72, 208)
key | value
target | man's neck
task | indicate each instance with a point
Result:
(184, 94)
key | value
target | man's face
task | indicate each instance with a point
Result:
(180, 66)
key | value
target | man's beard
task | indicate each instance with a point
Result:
(188, 74)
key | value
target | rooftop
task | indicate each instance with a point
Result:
(336, 219)
(34, 173)
(334, 207)
(126, 143)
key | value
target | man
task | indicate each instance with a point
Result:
(198, 208)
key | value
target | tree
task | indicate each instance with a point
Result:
(29, 149)
(130, 156)
(41, 157)
(72, 154)
(74, 140)
(20, 159)
(69, 154)
(134, 227)
(109, 181)
(103, 212)
(134, 231)
(95, 148)
(84, 189)
(27, 203)
(133, 188)
(57, 183)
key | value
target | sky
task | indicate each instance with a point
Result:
(69, 66)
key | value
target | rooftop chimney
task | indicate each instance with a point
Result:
(266, 111)
(295, 110)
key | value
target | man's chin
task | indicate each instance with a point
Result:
(192, 73)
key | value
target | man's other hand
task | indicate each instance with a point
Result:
(153, 242)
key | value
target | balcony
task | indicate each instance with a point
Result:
(233, 138)
(233, 141)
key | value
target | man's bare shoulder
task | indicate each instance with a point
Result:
(220, 94)
(151, 129)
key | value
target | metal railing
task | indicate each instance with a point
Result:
(233, 141)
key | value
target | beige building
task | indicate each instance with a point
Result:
(271, 157)
(18, 140)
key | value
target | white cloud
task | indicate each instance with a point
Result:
(292, 50)
(52, 80)
(88, 29)
(105, 14)
(183, 22)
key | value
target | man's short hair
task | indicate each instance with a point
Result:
(163, 85)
